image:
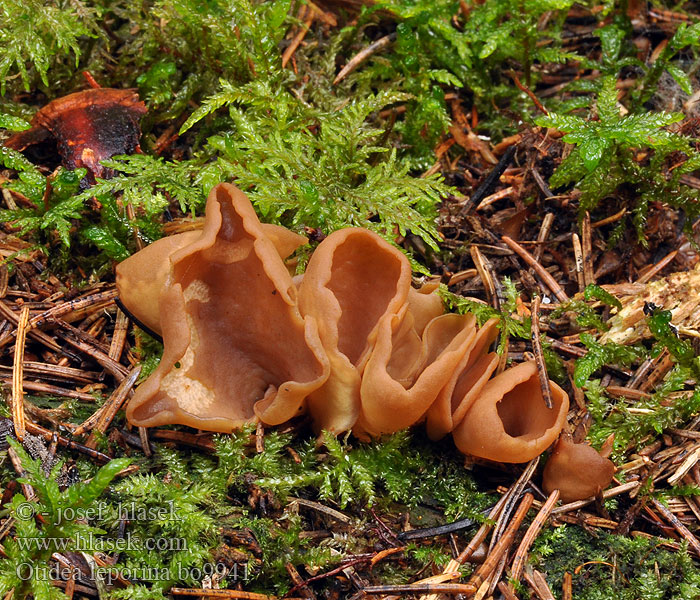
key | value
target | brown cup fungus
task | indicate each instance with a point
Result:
(465, 383)
(578, 471)
(509, 421)
(235, 345)
(350, 342)
(353, 281)
(142, 277)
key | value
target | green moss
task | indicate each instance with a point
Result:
(607, 566)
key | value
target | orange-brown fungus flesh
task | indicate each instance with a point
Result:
(235, 345)
(354, 280)
(576, 470)
(354, 345)
(142, 277)
(509, 421)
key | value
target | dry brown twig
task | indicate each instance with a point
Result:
(539, 356)
(362, 56)
(541, 272)
(501, 546)
(18, 375)
(530, 536)
(307, 15)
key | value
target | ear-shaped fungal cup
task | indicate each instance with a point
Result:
(509, 421)
(351, 343)
(143, 276)
(235, 345)
(465, 384)
(354, 281)
(390, 403)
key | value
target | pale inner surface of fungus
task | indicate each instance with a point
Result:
(389, 404)
(520, 416)
(353, 281)
(194, 397)
(363, 282)
(508, 421)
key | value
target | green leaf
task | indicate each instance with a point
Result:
(561, 122)
(659, 322)
(597, 292)
(592, 151)
(11, 159)
(685, 36)
(681, 78)
(277, 12)
(607, 99)
(82, 495)
(105, 241)
(611, 38)
(13, 123)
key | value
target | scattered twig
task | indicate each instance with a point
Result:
(7, 313)
(327, 510)
(422, 588)
(502, 544)
(677, 525)
(587, 247)
(611, 219)
(416, 534)
(499, 195)
(18, 375)
(539, 585)
(484, 271)
(298, 581)
(121, 328)
(531, 534)
(332, 572)
(529, 92)
(117, 370)
(46, 388)
(362, 56)
(76, 308)
(27, 489)
(567, 592)
(35, 429)
(238, 594)
(658, 267)
(542, 273)
(578, 261)
(543, 235)
(616, 491)
(307, 15)
(490, 181)
(537, 351)
(107, 412)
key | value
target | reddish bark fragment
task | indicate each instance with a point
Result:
(88, 127)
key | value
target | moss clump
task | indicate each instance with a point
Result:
(605, 565)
